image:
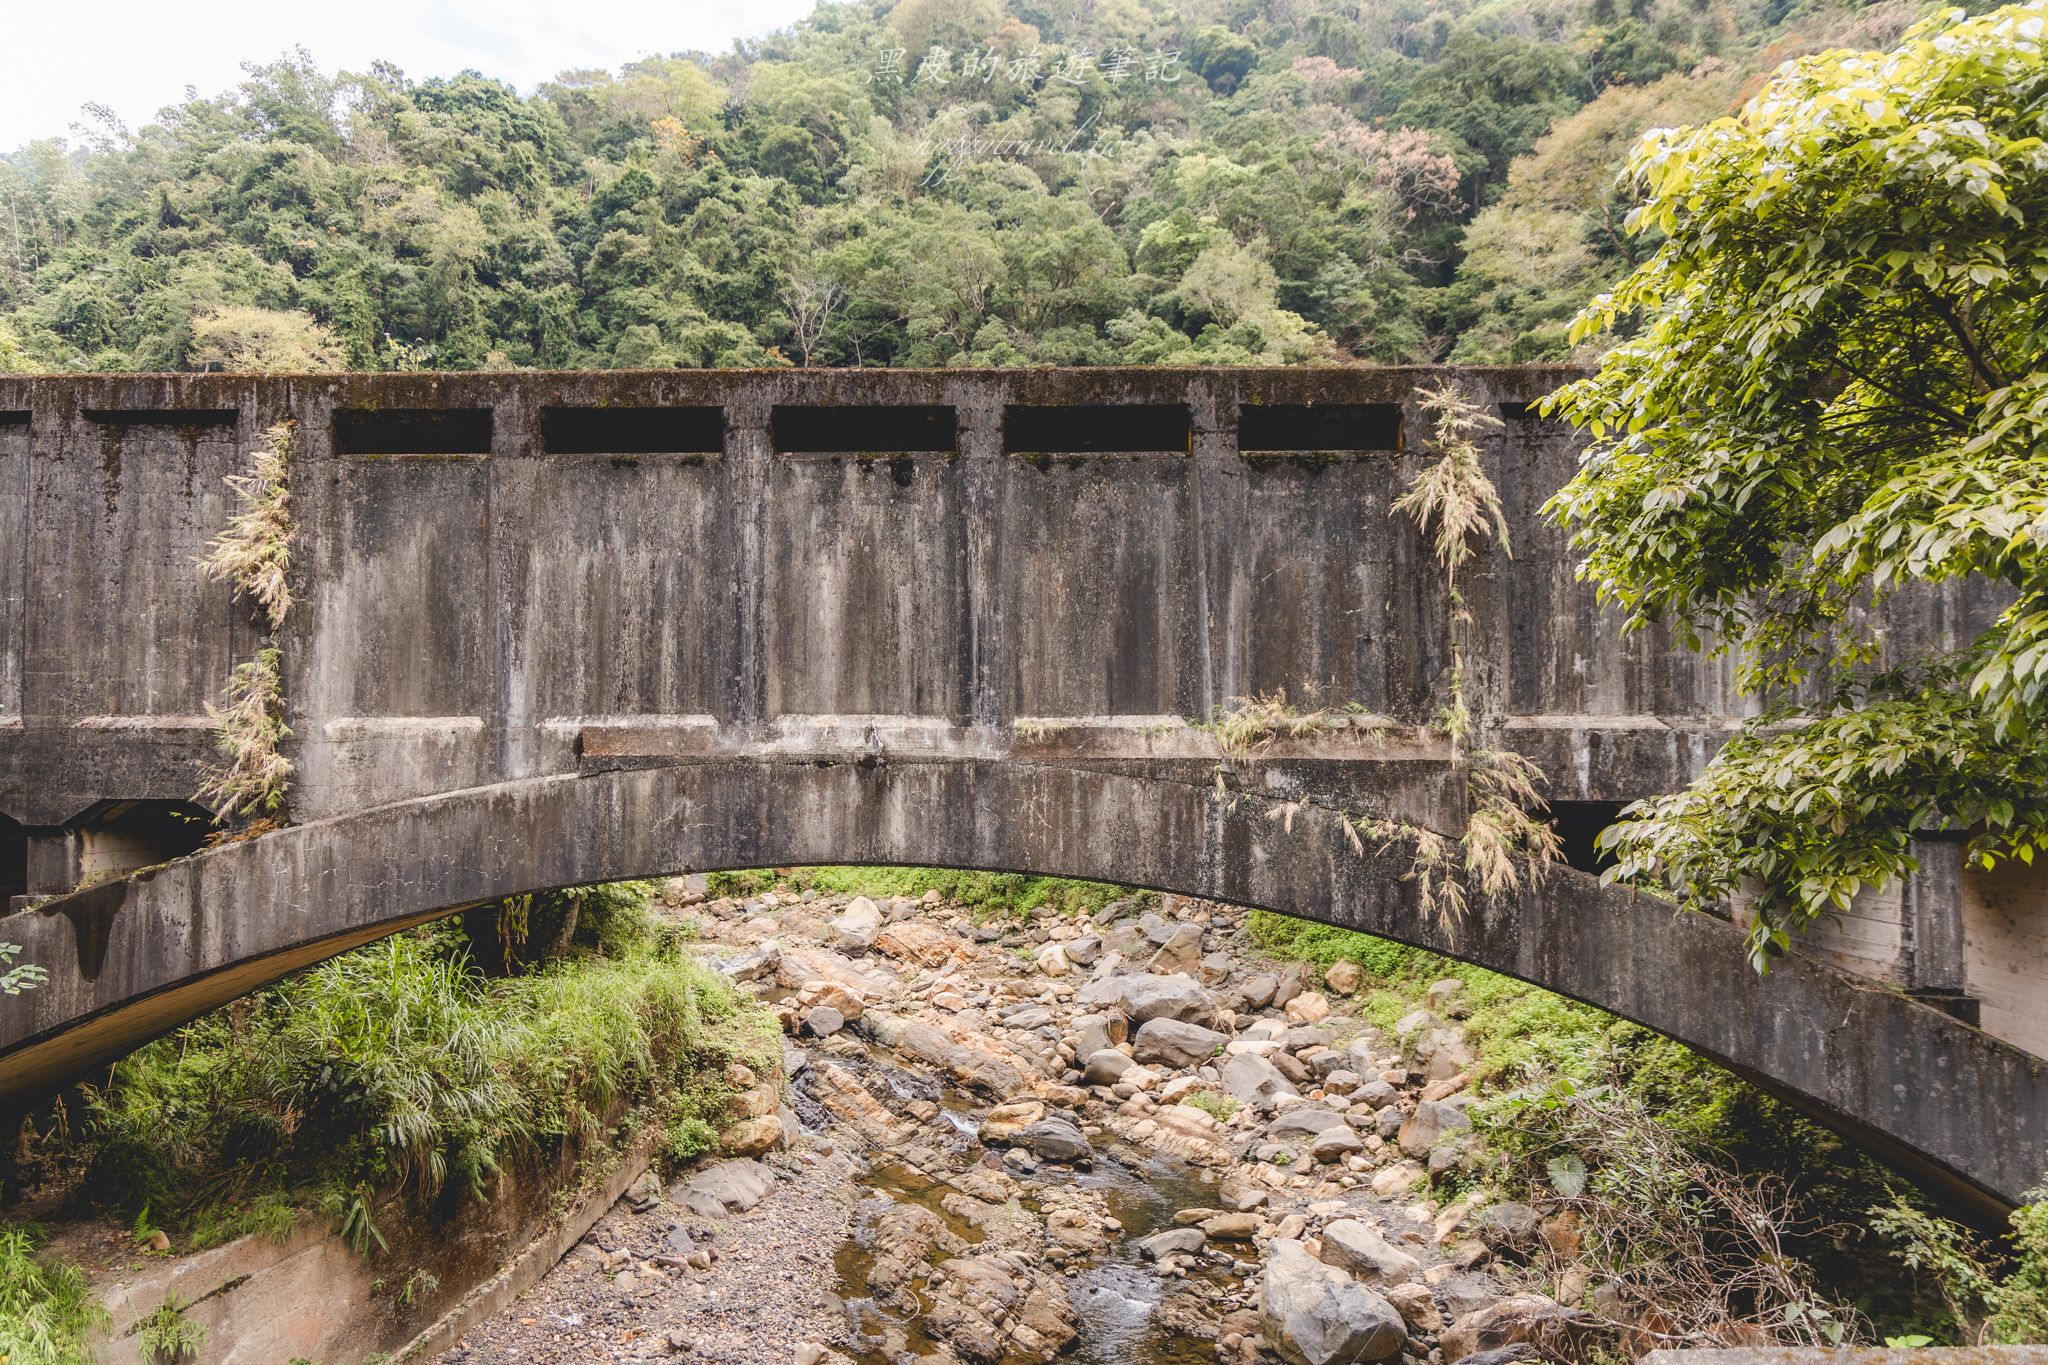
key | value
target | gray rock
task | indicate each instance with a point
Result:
(1176, 1043)
(1334, 1144)
(1105, 1065)
(754, 964)
(1427, 1126)
(1094, 1032)
(1173, 1242)
(856, 926)
(823, 1021)
(1030, 1017)
(1182, 951)
(1251, 1079)
(1147, 996)
(1257, 991)
(1376, 1093)
(1529, 1318)
(1313, 1314)
(1359, 1248)
(1305, 1121)
(1084, 951)
(1057, 1139)
(1387, 1123)
(726, 1188)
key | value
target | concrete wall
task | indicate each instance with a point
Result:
(538, 576)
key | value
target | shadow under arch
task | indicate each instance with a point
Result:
(131, 959)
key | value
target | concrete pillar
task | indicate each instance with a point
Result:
(53, 861)
(1931, 925)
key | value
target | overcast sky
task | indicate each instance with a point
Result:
(136, 56)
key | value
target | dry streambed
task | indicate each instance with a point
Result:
(1115, 1139)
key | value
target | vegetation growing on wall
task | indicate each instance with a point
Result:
(1827, 390)
(254, 553)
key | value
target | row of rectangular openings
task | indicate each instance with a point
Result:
(163, 417)
(797, 429)
(632, 431)
(1319, 426)
(413, 431)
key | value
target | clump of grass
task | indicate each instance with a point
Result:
(1249, 724)
(248, 732)
(1507, 842)
(254, 554)
(47, 1311)
(1216, 1105)
(168, 1336)
(255, 551)
(400, 1071)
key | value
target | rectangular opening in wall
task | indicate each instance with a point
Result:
(162, 417)
(1578, 825)
(1318, 426)
(1096, 428)
(885, 428)
(413, 431)
(14, 419)
(632, 431)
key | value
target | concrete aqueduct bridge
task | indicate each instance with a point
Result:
(559, 628)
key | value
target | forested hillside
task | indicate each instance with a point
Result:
(931, 182)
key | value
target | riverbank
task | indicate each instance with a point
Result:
(1119, 1132)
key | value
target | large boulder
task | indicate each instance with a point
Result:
(1359, 1248)
(1057, 1139)
(1253, 1080)
(1176, 1043)
(856, 926)
(1429, 1123)
(1334, 1144)
(1521, 1318)
(754, 1136)
(726, 1188)
(1094, 1032)
(1173, 1242)
(1306, 1120)
(1147, 996)
(1313, 1314)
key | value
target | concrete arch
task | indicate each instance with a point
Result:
(132, 958)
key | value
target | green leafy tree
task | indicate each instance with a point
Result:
(1833, 391)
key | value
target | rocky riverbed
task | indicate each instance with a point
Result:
(1124, 1137)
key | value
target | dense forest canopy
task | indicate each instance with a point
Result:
(929, 182)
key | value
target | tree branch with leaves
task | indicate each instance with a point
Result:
(1829, 389)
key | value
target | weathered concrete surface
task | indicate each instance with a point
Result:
(131, 958)
(466, 615)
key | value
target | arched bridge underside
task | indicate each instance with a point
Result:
(130, 958)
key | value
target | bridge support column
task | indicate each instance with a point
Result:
(1931, 921)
